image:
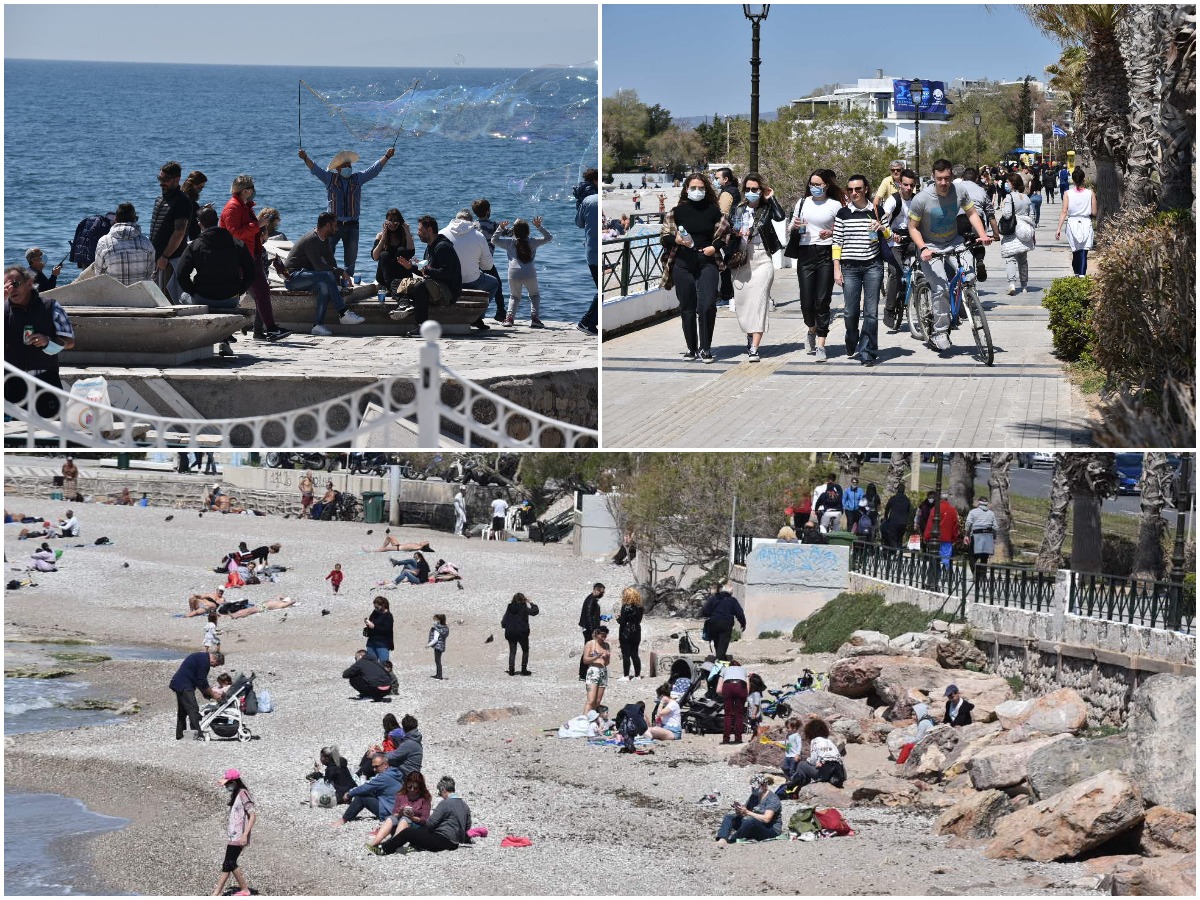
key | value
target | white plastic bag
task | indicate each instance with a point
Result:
(265, 703)
(84, 417)
(323, 795)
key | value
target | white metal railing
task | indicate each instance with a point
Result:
(483, 418)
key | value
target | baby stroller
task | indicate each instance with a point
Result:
(225, 719)
(704, 711)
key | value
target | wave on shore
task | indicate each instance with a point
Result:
(40, 844)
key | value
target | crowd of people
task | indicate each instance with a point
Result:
(720, 241)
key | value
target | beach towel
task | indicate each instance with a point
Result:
(478, 831)
(511, 841)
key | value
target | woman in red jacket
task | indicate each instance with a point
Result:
(238, 219)
(947, 532)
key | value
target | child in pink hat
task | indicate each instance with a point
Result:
(242, 816)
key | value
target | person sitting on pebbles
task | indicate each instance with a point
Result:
(43, 559)
(758, 819)
(446, 828)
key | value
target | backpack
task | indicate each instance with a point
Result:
(832, 820)
(804, 820)
(250, 701)
(865, 527)
(87, 235)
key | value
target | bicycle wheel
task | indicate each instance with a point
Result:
(921, 311)
(979, 325)
(912, 311)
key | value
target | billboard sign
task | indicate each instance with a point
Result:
(932, 98)
(1033, 142)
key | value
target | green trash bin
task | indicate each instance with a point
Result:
(122, 460)
(372, 507)
(841, 538)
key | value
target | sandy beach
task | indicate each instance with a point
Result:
(600, 822)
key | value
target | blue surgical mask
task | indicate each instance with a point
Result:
(1007, 187)
(344, 171)
(753, 196)
(816, 191)
(696, 195)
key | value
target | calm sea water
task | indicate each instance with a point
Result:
(41, 830)
(81, 137)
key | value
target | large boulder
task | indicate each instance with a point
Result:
(974, 816)
(916, 641)
(945, 750)
(828, 706)
(885, 789)
(1071, 822)
(1060, 712)
(1170, 876)
(1005, 765)
(1162, 741)
(1168, 831)
(958, 654)
(823, 794)
(1055, 768)
(899, 681)
(899, 737)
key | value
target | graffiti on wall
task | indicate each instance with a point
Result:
(796, 566)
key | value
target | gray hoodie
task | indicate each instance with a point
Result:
(408, 756)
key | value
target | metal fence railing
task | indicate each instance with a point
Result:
(438, 399)
(912, 568)
(743, 544)
(1151, 604)
(1012, 586)
(631, 265)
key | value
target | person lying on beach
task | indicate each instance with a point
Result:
(445, 571)
(13, 518)
(390, 543)
(28, 533)
(43, 559)
(203, 604)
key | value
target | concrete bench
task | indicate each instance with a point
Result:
(297, 310)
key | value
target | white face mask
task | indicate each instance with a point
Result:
(816, 191)
(344, 171)
(696, 194)
(753, 196)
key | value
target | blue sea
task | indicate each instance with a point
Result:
(81, 137)
(42, 831)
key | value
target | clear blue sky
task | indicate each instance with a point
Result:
(650, 47)
(495, 35)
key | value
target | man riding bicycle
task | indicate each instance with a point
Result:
(933, 226)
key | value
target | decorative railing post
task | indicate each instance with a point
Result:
(626, 252)
(429, 386)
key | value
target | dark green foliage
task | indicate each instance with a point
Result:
(831, 626)
(1069, 306)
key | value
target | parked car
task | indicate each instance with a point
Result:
(1129, 473)
(1033, 460)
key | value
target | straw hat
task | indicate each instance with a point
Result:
(346, 156)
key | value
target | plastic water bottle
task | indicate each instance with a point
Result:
(683, 234)
(382, 295)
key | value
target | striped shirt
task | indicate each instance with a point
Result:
(345, 194)
(854, 240)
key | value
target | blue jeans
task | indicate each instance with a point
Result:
(408, 576)
(862, 281)
(326, 286)
(743, 828)
(347, 233)
(486, 282)
(1035, 206)
(379, 651)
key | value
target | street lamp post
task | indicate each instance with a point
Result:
(916, 90)
(756, 13)
(978, 145)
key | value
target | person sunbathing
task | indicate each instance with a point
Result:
(445, 571)
(390, 543)
(203, 604)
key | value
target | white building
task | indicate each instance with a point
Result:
(875, 96)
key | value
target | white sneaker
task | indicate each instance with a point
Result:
(1012, 290)
(941, 341)
(322, 331)
(350, 317)
(623, 678)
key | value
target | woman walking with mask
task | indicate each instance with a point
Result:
(753, 222)
(695, 267)
(812, 220)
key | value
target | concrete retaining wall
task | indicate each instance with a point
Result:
(782, 584)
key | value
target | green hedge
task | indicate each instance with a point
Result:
(831, 626)
(1067, 301)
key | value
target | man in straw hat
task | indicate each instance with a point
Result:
(345, 197)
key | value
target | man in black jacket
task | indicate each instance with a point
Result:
(36, 330)
(589, 620)
(442, 272)
(958, 707)
(215, 269)
(369, 677)
(720, 611)
(896, 516)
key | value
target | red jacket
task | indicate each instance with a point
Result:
(239, 220)
(949, 523)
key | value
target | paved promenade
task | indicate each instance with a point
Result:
(912, 397)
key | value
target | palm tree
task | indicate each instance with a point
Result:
(1050, 553)
(898, 468)
(1155, 485)
(998, 484)
(1177, 122)
(962, 480)
(1104, 123)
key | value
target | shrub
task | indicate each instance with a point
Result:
(769, 635)
(1017, 683)
(1067, 301)
(831, 626)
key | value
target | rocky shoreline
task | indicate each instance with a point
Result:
(599, 822)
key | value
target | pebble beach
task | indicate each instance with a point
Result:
(600, 823)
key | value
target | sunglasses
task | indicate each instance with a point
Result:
(856, 190)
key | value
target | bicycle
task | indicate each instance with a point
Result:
(964, 298)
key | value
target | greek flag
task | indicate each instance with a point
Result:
(1058, 132)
